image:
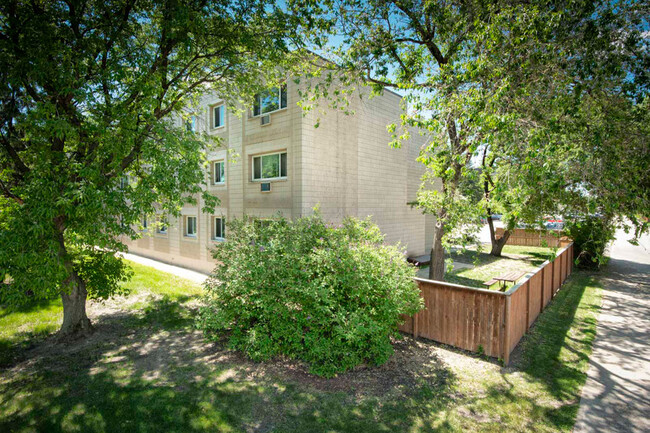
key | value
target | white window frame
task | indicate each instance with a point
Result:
(186, 226)
(145, 223)
(214, 171)
(162, 221)
(262, 179)
(222, 220)
(258, 101)
(213, 110)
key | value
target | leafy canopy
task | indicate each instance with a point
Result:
(94, 90)
(543, 90)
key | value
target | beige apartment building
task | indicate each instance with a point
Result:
(274, 161)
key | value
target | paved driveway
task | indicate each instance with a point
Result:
(616, 397)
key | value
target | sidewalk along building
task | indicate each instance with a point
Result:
(274, 161)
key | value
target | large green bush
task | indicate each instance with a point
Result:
(591, 235)
(331, 296)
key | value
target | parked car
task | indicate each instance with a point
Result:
(554, 225)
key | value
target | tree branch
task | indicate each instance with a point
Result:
(19, 165)
(7, 193)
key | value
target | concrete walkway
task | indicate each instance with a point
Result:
(616, 396)
(189, 274)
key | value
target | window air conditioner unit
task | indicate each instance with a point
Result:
(265, 119)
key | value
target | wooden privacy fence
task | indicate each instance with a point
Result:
(487, 320)
(535, 238)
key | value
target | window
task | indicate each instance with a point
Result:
(218, 116)
(145, 223)
(273, 166)
(218, 173)
(190, 226)
(190, 124)
(270, 100)
(218, 228)
(162, 225)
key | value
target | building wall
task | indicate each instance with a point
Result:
(345, 166)
(351, 170)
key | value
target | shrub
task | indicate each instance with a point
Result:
(331, 296)
(590, 235)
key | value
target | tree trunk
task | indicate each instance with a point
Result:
(73, 293)
(497, 244)
(75, 321)
(437, 260)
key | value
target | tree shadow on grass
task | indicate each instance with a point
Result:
(12, 349)
(465, 281)
(165, 311)
(484, 258)
(473, 257)
(16, 340)
(537, 258)
(542, 348)
(148, 370)
(554, 354)
(30, 307)
(102, 402)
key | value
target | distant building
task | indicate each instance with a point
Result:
(274, 160)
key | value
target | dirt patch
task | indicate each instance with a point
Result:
(414, 363)
(160, 355)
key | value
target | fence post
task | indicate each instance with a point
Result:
(541, 289)
(527, 304)
(552, 265)
(506, 332)
(562, 257)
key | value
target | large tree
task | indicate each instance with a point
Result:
(438, 53)
(578, 141)
(91, 91)
(496, 76)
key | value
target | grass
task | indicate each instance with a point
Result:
(542, 390)
(23, 327)
(147, 370)
(31, 323)
(485, 267)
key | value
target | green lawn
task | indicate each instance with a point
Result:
(485, 266)
(32, 323)
(147, 369)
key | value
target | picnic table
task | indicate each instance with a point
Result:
(509, 277)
